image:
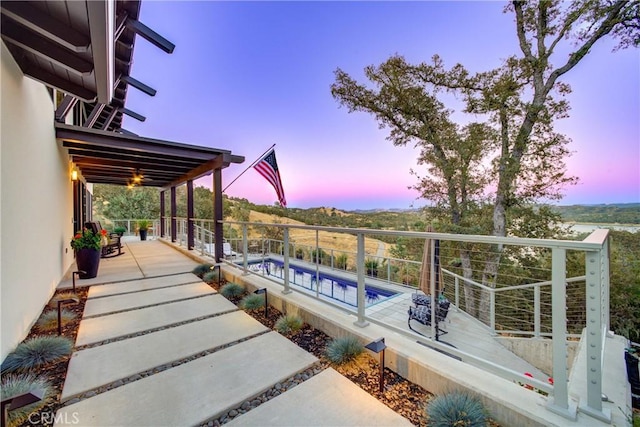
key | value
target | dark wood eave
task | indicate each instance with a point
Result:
(104, 157)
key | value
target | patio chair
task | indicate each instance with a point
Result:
(113, 245)
(227, 252)
(422, 314)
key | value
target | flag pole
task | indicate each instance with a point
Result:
(248, 167)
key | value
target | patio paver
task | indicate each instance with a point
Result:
(111, 326)
(142, 285)
(195, 391)
(111, 304)
(327, 399)
(121, 359)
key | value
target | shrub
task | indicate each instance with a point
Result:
(18, 384)
(252, 302)
(49, 320)
(120, 230)
(202, 269)
(62, 295)
(211, 277)
(289, 324)
(457, 408)
(341, 261)
(343, 350)
(232, 290)
(37, 352)
(299, 253)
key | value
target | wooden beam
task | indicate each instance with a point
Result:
(40, 22)
(93, 117)
(133, 114)
(44, 48)
(139, 85)
(150, 35)
(52, 80)
(67, 104)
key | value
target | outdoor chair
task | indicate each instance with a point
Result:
(227, 252)
(422, 314)
(113, 247)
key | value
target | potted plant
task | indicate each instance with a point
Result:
(87, 246)
(143, 227)
(120, 230)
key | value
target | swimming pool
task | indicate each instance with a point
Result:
(336, 288)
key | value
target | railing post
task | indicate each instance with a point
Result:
(536, 312)
(559, 402)
(492, 311)
(245, 248)
(361, 322)
(606, 319)
(287, 289)
(317, 264)
(595, 335)
(457, 291)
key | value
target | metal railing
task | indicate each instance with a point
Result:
(533, 304)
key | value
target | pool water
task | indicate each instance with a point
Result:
(338, 289)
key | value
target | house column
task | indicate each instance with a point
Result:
(217, 213)
(190, 240)
(162, 216)
(174, 211)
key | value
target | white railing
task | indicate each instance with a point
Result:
(534, 304)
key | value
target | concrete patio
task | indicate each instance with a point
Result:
(157, 346)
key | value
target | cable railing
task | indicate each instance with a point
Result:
(514, 286)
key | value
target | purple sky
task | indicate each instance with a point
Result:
(246, 75)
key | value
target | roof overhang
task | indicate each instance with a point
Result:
(110, 158)
(83, 48)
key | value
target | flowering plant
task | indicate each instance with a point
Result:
(87, 239)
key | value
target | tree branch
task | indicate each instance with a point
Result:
(522, 37)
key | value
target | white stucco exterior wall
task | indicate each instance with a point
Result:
(36, 204)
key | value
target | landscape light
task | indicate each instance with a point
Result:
(378, 346)
(18, 401)
(60, 304)
(266, 307)
(73, 277)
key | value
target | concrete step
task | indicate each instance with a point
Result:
(327, 399)
(196, 391)
(111, 326)
(115, 303)
(142, 285)
(122, 359)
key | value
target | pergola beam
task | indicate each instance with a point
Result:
(150, 35)
(139, 85)
(133, 114)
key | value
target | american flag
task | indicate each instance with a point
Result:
(268, 167)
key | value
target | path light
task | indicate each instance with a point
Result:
(378, 346)
(266, 307)
(60, 304)
(73, 277)
(18, 401)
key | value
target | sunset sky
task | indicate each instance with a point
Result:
(246, 75)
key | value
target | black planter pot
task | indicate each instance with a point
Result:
(143, 234)
(88, 260)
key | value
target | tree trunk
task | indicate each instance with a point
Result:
(469, 290)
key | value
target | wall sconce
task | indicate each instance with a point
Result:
(266, 306)
(74, 174)
(378, 346)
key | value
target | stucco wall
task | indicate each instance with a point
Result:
(36, 207)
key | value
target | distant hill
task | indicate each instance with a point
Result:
(620, 213)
